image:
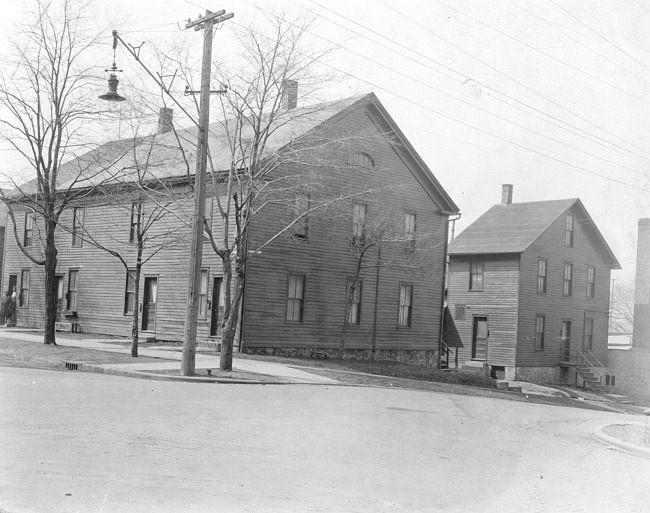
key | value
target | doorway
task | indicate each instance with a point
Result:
(480, 338)
(216, 315)
(13, 280)
(149, 304)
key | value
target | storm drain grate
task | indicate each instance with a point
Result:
(73, 365)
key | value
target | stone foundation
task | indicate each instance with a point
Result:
(421, 358)
(541, 375)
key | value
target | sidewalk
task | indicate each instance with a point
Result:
(244, 370)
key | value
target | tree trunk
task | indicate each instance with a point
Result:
(50, 281)
(348, 306)
(230, 328)
(135, 324)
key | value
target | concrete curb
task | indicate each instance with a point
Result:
(600, 435)
(87, 367)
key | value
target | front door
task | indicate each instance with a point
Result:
(13, 280)
(216, 316)
(480, 338)
(149, 304)
(59, 296)
(566, 341)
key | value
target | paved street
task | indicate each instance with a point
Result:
(95, 443)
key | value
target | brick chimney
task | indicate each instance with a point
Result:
(165, 120)
(506, 194)
(289, 94)
(641, 331)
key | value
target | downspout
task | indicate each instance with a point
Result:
(444, 284)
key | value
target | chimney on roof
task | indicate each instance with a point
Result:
(289, 94)
(165, 120)
(506, 194)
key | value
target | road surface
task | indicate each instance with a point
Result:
(82, 442)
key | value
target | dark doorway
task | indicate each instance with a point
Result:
(149, 304)
(13, 280)
(216, 316)
(479, 338)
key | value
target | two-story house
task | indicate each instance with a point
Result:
(529, 290)
(296, 286)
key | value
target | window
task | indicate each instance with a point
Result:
(73, 289)
(137, 213)
(203, 294)
(59, 287)
(405, 305)
(129, 293)
(476, 275)
(301, 207)
(358, 223)
(23, 299)
(209, 204)
(459, 313)
(568, 280)
(361, 159)
(589, 333)
(568, 231)
(539, 332)
(296, 298)
(591, 282)
(354, 316)
(409, 232)
(77, 226)
(29, 229)
(542, 265)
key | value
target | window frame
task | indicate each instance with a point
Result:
(565, 336)
(359, 216)
(72, 293)
(542, 278)
(362, 159)
(410, 232)
(476, 285)
(569, 230)
(129, 293)
(354, 315)
(28, 233)
(567, 281)
(405, 309)
(540, 322)
(136, 221)
(77, 227)
(295, 310)
(23, 296)
(203, 294)
(591, 282)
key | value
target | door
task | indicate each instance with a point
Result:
(13, 280)
(480, 338)
(565, 334)
(149, 304)
(59, 296)
(216, 316)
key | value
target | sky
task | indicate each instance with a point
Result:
(550, 96)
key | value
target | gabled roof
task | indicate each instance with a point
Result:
(107, 163)
(513, 228)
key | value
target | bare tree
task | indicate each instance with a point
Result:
(621, 318)
(46, 100)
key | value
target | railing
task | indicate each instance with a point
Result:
(606, 377)
(446, 350)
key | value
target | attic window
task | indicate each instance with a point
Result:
(361, 159)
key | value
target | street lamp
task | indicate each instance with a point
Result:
(111, 95)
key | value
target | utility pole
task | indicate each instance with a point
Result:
(196, 251)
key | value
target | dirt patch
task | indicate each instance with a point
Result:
(630, 433)
(23, 353)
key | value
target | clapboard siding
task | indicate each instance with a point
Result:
(498, 301)
(326, 262)
(554, 305)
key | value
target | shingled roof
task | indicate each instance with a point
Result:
(512, 228)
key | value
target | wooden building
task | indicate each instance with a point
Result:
(295, 286)
(529, 291)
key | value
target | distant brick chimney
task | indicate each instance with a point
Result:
(506, 194)
(289, 94)
(165, 120)
(641, 331)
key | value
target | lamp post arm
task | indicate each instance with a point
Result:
(116, 38)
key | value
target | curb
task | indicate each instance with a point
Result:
(98, 369)
(600, 435)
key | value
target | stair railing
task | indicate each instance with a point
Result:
(601, 371)
(445, 351)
